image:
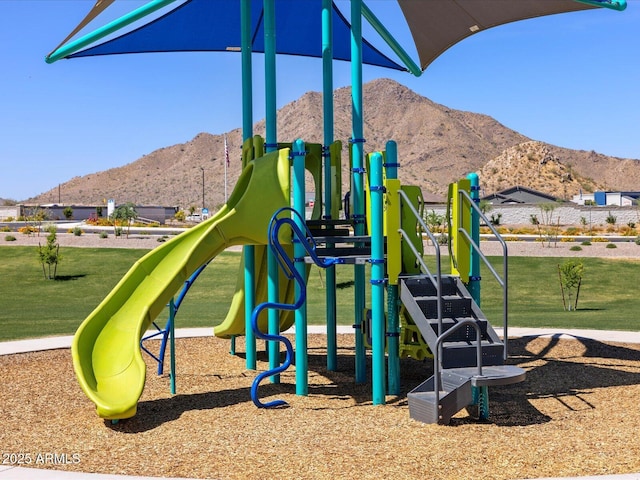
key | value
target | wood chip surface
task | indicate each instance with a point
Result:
(576, 414)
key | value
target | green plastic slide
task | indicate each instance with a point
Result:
(106, 348)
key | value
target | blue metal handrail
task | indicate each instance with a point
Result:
(165, 332)
(288, 266)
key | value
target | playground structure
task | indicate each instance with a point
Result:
(441, 312)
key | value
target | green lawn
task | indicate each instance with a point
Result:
(32, 306)
(608, 294)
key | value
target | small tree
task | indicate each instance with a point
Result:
(180, 216)
(125, 214)
(67, 212)
(434, 221)
(548, 231)
(570, 274)
(35, 217)
(49, 254)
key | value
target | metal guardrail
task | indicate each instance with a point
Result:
(437, 279)
(502, 281)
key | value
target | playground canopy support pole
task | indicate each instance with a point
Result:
(108, 29)
(393, 269)
(474, 271)
(273, 314)
(392, 42)
(377, 280)
(302, 366)
(172, 346)
(327, 105)
(247, 133)
(358, 182)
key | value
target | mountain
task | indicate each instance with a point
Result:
(436, 145)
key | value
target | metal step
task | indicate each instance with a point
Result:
(463, 334)
(452, 306)
(421, 286)
(455, 394)
(456, 391)
(464, 354)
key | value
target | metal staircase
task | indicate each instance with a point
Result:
(467, 351)
(468, 355)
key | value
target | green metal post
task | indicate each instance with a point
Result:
(358, 181)
(377, 281)
(302, 366)
(270, 74)
(474, 272)
(393, 319)
(247, 132)
(274, 317)
(327, 98)
(271, 145)
(172, 346)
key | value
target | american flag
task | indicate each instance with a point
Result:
(226, 150)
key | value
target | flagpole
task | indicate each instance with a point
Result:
(226, 163)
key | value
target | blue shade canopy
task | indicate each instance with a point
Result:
(214, 26)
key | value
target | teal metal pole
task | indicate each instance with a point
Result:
(393, 319)
(358, 181)
(474, 273)
(327, 105)
(273, 314)
(302, 365)
(271, 145)
(247, 70)
(172, 346)
(270, 74)
(377, 281)
(247, 133)
(108, 29)
(391, 41)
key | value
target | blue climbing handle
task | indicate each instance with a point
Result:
(288, 266)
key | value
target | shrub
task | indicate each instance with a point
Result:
(567, 239)
(9, 219)
(637, 240)
(9, 238)
(27, 229)
(586, 242)
(5, 229)
(443, 239)
(103, 235)
(611, 245)
(162, 239)
(77, 231)
(576, 248)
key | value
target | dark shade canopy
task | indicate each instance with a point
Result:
(437, 25)
(214, 25)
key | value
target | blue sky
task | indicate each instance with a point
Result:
(571, 80)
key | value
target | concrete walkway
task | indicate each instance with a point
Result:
(8, 472)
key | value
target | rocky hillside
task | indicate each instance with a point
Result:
(532, 164)
(436, 146)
